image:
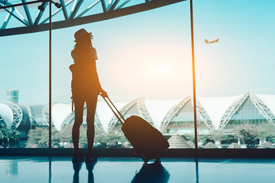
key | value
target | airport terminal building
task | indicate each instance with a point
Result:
(168, 116)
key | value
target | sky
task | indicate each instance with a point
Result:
(148, 54)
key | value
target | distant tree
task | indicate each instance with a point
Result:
(217, 135)
(65, 135)
(34, 136)
(201, 138)
(55, 138)
(112, 138)
(100, 136)
(248, 134)
(189, 137)
(44, 140)
(204, 139)
(268, 132)
(40, 137)
(9, 136)
(1, 135)
(83, 137)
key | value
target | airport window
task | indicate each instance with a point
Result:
(154, 82)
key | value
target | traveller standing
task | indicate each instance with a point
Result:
(85, 88)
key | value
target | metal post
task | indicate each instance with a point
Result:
(197, 169)
(50, 169)
(194, 81)
(50, 74)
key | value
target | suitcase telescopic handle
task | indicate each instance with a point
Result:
(114, 109)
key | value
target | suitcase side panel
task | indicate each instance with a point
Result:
(143, 136)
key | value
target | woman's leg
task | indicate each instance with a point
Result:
(79, 104)
(91, 108)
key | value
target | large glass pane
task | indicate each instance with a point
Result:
(144, 64)
(234, 42)
(24, 91)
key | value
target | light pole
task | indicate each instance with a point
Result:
(42, 8)
(193, 71)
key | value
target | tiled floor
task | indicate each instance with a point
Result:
(15, 169)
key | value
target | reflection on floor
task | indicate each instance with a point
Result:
(15, 169)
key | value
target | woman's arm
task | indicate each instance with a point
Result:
(103, 93)
(93, 55)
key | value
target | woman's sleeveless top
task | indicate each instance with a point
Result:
(85, 80)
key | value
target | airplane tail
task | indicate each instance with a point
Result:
(206, 41)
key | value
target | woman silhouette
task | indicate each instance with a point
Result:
(85, 88)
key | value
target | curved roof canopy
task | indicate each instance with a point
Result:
(215, 113)
(11, 114)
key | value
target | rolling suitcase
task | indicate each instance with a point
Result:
(147, 141)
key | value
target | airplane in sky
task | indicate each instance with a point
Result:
(212, 41)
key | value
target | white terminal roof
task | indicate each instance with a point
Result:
(215, 107)
(269, 101)
(59, 113)
(105, 114)
(7, 114)
(159, 108)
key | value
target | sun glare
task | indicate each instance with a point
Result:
(160, 70)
